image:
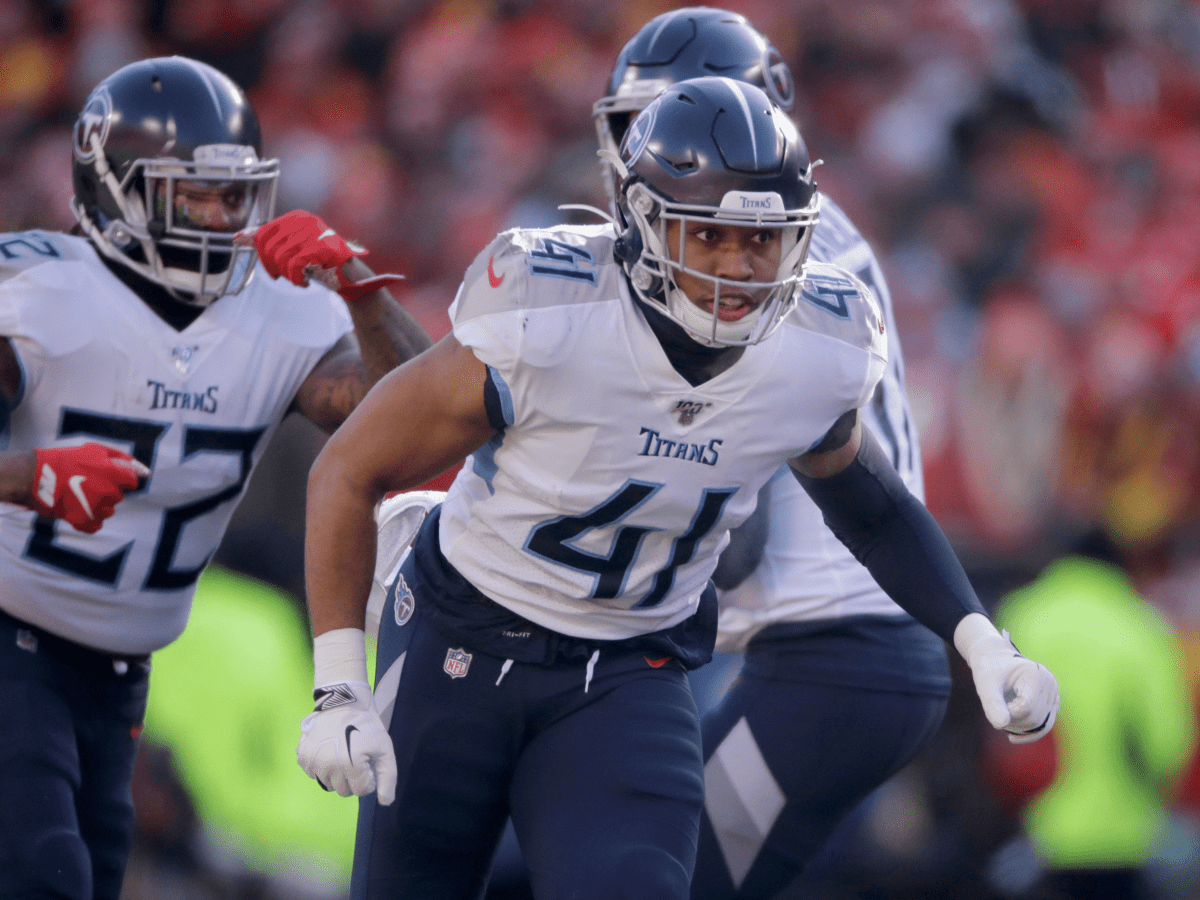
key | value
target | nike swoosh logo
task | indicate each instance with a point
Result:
(1036, 730)
(328, 232)
(349, 728)
(75, 483)
(656, 663)
(492, 279)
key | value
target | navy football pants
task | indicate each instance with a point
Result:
(787, 760)
(598, 761)
(69, 726)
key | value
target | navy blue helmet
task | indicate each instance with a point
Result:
(717, 150)
(693, 42)
(143, 131)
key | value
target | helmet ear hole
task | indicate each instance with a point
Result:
(627, 248)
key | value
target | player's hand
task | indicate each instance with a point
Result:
(344, 746)
(298, 245)
(83, 484)
(1018, 695)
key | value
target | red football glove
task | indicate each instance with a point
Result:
(299, 244)
(83, 484)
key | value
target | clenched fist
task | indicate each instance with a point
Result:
(298, 245)
(1019, 695)
(344, 745)
(83, 484)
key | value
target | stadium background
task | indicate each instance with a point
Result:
(1028, 172)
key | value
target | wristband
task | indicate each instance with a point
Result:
(339, 656)
(351, 291)
(972, 629)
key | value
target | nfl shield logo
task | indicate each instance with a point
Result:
(183, 356)
(457, 663)
(686, 410)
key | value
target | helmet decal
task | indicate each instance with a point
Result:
(93, 120)
(780, 85)
(639, 135)
(224, 155)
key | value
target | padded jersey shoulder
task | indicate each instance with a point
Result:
(836, 304)
(527, 269)
(24, 250)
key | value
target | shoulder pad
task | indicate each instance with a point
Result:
(308, 315)
(26, 249)
(534, 268)
(834, 302)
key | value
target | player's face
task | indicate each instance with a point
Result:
(735, 253)
(208, 206)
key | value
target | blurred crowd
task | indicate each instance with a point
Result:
(1028, 172)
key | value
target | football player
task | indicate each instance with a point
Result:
(621, 394)
(864, 685)
(145, 362)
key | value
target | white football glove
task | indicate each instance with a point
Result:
(1018, 695)
(343, 742)
(344, 746)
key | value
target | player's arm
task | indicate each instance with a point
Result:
(417, 422)
(414, 424)
(868, 507)
(388, 334)
(298, 246)
(385, 336)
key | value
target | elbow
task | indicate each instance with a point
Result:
(336, 479)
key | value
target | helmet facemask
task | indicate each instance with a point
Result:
(655, 265)
(162, 236)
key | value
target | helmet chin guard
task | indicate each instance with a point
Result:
(152, 135)
(717, 151)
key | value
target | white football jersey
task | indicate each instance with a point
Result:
(806, 573)
(600, 509)
(197, 406)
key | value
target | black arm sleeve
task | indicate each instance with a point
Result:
(890, 531)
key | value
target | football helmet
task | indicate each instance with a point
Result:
(166, 171)
(720, 151)
(694, 42)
